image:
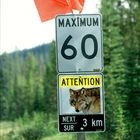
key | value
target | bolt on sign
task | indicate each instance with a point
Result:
(79, 43)
(80, 102)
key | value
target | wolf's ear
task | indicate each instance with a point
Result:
(71, 91)
(83, 91)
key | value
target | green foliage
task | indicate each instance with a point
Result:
(28, 82)
(121, 49)
(21, 83)
(13, 136)
(32, 133)
(50, 83)
(52, 127)
(33, 127)
(5, 85)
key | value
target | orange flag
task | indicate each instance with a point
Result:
(74, 4)
(77, 4)
(48, 9)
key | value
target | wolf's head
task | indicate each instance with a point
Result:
(78, 99)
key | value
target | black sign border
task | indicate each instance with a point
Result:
(58, 101)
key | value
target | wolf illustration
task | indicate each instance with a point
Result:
(86, 100)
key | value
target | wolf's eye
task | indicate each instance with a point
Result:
(73, 102)
(81, 101)
(85, 95)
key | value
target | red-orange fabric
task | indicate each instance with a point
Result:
(74, 4)
(77, 4)
(65, 2)
(48, 9)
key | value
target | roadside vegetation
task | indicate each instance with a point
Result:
(28, 84)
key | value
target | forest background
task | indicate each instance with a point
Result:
(28, 106)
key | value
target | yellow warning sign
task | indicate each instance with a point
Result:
(79, 81)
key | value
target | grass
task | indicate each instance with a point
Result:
(70, 136)
(61, 136)
(9, 130)
(7, 127)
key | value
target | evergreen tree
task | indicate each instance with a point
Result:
(5, 85)
(21, 82)
(30, 73)
(50, 83)
(114, 70)
(131, 27)
(39, 91)
(17, 100)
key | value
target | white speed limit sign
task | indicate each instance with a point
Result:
(79, 43)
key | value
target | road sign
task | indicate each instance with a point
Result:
(79, 43)
(80, 102)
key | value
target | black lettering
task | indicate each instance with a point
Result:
(67, 81)
(82, 22)
(92, 81)
(68, 23)
(95, 22)
(77, 21)
(80, 81)
(67, 46)
(73, 22)
(71, 81)
(85, 80)
(88, 81)
(75, 82)
(97, 81)
(89, 21)
(63, 82)
(61, 23)
(83, 46)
